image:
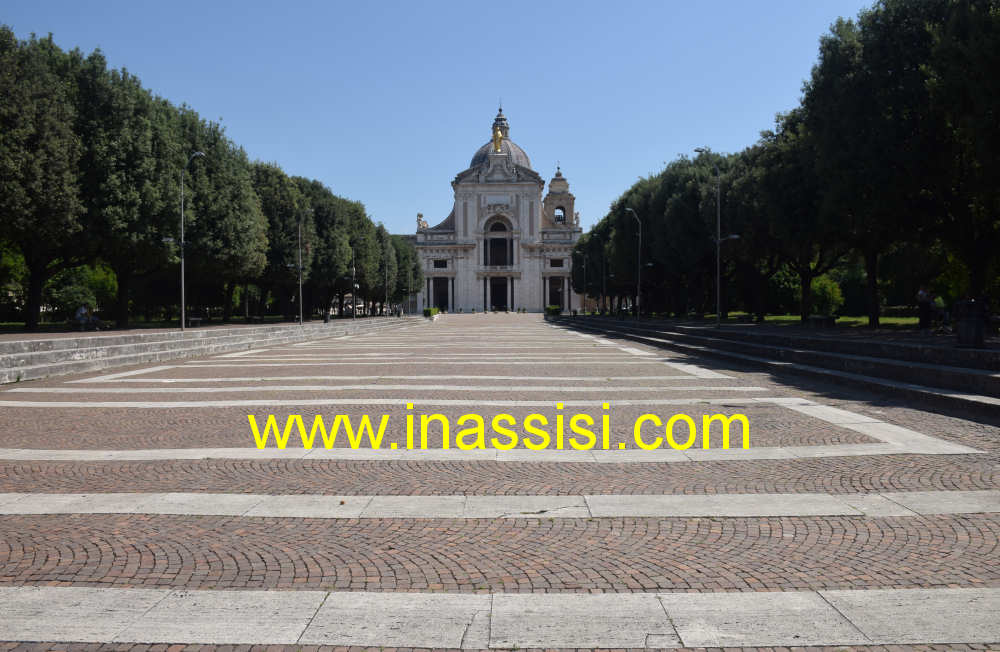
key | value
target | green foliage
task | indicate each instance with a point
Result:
(84, 285)
(39, 153)
(553, 311)
(410, 275)
(430, 312)
(826, 296)
(388, 265)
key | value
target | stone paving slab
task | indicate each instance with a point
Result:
(224, 617)
(35, 613)
(637, 620)
(46, 646)
(400, 619)
(945, 616)
(795, 618)
(548, 621)
(598, 506)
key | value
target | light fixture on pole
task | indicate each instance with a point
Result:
(638, 265)
(718, 240)
(301, 320)
(354, 288)
(183, 243)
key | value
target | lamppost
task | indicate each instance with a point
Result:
(183, 302)
(354, 288)
(301, 322)
(638, 264)
(718, 240)
(604, 279)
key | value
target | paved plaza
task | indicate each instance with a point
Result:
(137, 511)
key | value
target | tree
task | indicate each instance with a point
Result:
(807, 239)
(128, 169)
(964, 86)
(409, 277)
(866, 104)
(331, 249)
(387, 266)
(39, 192)
(284, 207)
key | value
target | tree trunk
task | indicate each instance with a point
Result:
(805, 286)
(977, 275)
(124, 276)
(760, 299)
(227, 306)
(33, 307)
(871, 269)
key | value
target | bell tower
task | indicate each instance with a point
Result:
(558, 205)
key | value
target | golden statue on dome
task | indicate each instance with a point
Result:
(497, 138)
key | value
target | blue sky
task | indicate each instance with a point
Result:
(385, 102)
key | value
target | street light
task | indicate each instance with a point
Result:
(183, 302)
(718, 240)
(354, 288)
(638, 265)
(301, 322)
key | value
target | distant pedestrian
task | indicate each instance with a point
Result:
(86, 318)
(924, 308)
(82, 316)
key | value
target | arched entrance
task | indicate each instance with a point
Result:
(498, 246)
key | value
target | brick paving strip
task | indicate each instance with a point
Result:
(507, 506)
(637, 620)
(506, 555)
(843, 475)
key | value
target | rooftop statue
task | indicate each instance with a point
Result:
(497, 138)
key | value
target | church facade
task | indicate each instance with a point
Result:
(503, 246)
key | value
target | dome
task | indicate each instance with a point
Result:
(507, 146)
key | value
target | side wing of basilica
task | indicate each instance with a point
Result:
(503, 246)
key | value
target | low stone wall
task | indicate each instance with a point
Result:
(30, 359)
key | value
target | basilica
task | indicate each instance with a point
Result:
(503, 246)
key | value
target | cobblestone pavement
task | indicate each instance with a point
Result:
(821, 439)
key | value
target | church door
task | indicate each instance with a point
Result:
(556, 292)
(441, 294)
(498, 293)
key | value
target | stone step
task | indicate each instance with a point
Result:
(80, 349)
(988, 359)
(69, 342)
(52, 362)
(839, 368)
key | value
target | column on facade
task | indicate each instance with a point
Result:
(451, 304)
(429, 299)
(489, 292)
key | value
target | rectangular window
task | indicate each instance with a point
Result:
(555, 262)
(440, 263)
